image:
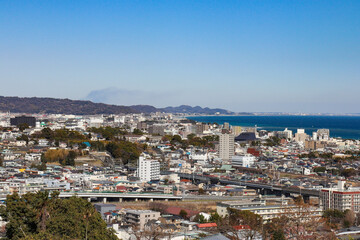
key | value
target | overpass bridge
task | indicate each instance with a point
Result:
(116, 196)
(262, 187)
(119, 197)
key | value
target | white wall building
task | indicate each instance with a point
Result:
(288, 133)
(148, 169)
(246, 160)
(341, 198)
(268, 212)
(202, 158)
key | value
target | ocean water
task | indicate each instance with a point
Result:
(346, 127)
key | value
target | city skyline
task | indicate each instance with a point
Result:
(248, 56)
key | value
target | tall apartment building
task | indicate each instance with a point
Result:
(236, 130)
(148, 169)
(201, 127)
(226, 146)
(314, 136)
(301, 136)
(340, 198)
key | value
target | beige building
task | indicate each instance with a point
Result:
(313, 145)
(140, 217)
(301, 136)
(226, 146)
(236, 130)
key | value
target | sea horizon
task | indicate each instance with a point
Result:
(345, 127)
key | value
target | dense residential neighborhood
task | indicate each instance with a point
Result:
(163, 176)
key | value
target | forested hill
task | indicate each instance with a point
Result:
(59, 106)
(197, 109)
(81, 107)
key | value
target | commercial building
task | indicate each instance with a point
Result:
(341, 198)
(148, 169)
(31, 121)
(247, 160)
(246, 137)
(226, 146)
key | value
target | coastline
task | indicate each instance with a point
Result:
(345, 127)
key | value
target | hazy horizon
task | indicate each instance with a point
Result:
(243, 56)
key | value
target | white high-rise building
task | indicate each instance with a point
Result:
(300, 130)
(226, 146)
(148, 169)
(288, 133)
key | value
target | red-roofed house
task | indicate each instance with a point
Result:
(176, 211)
(206, 225)
(121, 189)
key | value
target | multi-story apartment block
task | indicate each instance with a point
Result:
(301, 136)
(268, 212)
(222, 207)
(140, 217)
(226, 146)
(341, 198)
(148, 169)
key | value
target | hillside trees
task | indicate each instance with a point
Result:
(237, 217)
(40, 216)
(127, 151)
(60, 135)
(62, 156)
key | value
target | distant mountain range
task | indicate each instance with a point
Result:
(182, 109)
(80, 107)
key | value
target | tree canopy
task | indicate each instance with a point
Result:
(40, 216)
(127, 151)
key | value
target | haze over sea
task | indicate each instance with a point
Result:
(346, 127)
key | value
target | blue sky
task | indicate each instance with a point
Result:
(289, 56)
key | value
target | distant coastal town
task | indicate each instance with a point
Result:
(164, 174)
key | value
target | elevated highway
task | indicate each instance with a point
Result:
(116, 196)
(262, 187)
